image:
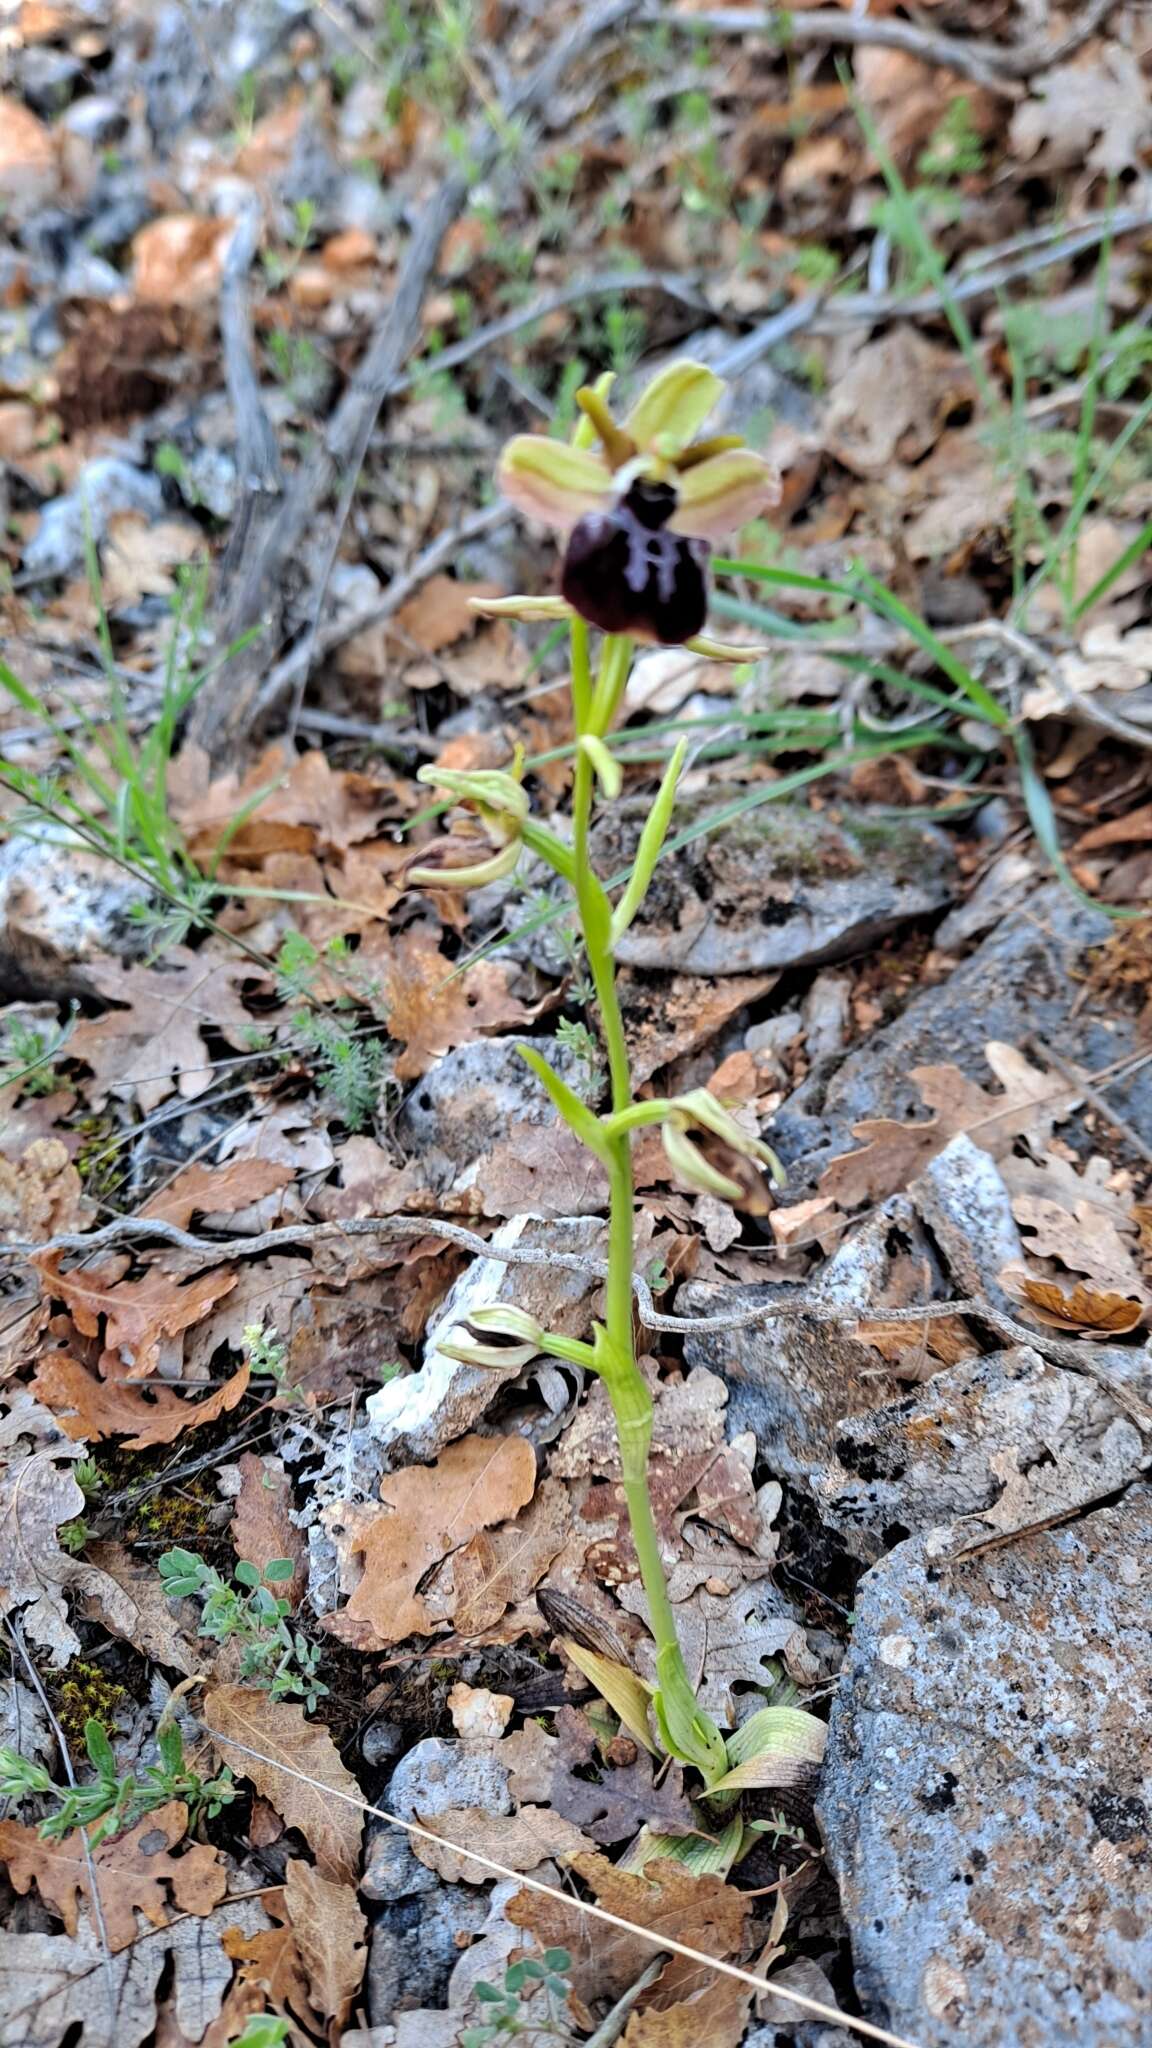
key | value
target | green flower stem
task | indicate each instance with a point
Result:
(627, 1390)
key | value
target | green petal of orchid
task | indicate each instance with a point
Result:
(554, 482)
(471, 875)
(725, 492)
(492, 788)
(675, 406)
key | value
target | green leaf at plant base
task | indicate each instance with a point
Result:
(626, 1694)
(705, 1855)
(778, 1746)
(576, 1114)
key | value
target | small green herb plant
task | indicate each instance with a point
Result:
(277, 1656)
(509, 2014)
(112, 1800)
(262, 2031)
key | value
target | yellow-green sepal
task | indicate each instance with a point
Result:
(685, 1729)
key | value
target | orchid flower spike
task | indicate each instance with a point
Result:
(707, 1149)
(639, 510)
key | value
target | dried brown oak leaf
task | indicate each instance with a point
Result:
(429, 1510)
(42, 1193)
(1087, 1311)
(1100, 100)
(139, 1314)
(218, 1190)
(894, 1153)
(37, 1495)
(497, 1568)
(307, 806)
(430, 1008)
(86, 1406)
(521, 1841)
(717, 2014)
(262, 1527)
(703, 1912)
(623, 1798)
(134, 1873)
(152, 1627)
(151, 1042)
(330, 1935)
(291, 1751)
(54, 1988)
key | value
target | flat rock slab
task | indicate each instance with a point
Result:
(985, 1798)
(1025, 980)
(778, 887)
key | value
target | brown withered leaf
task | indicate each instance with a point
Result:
(217, 1190)
(520, 1841)
(261, 1524)
(894, 1153)
(38, 1494)
(1087, 1311)
(330, 1934)
(152, 1627)
(429, 1510)
(134, 1873)
(42, 1193)
(717, 2014)
(271, 1974)
(1083, 1236)
(151, 1043)
(86, 1406)
(624, 1798)
(139, 1314)
(430, 1008)
(703, 1912)
(441, 612)
(499, 1567)
(239, 1720)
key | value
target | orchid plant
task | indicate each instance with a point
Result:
(637, 504)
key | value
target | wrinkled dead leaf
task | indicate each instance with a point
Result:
(894, 1153)
(441, 612)
(42, 1193)
(152, 1628)
(1100, 101)
(703, 1912)
(521, 1840)
(429, 1511)
(330, 1934)
(178, 260)
(201, 1190)
(262, 1527)
(51, 1985)
(134, 1873)
(139, 1314)
(151, 1043)
(37, 1495)
(239, 1719)
(497, 1568)
(1086, 1310)
(429, 1007)
(624, 1797)
(86, 1406)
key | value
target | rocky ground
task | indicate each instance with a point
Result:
(276, 282)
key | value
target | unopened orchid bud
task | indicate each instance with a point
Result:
(492, 791)
(496, 1337)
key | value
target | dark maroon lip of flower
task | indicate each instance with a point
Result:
(625, 573)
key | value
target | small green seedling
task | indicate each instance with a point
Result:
(272, 1653)
(112, 1800)
(508, 2012)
